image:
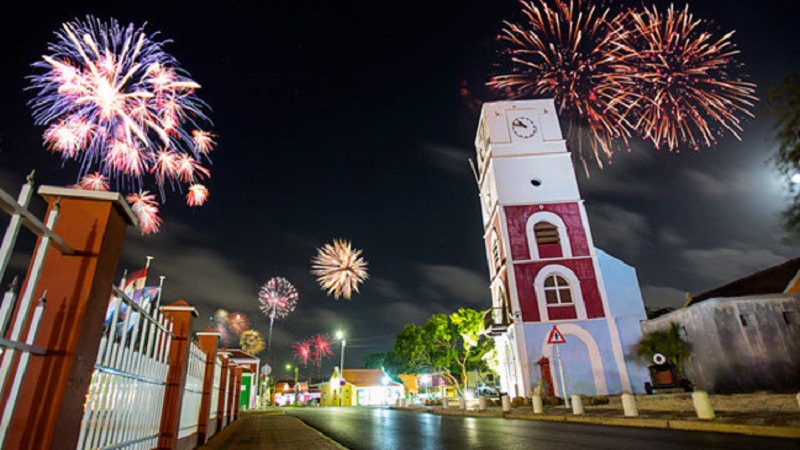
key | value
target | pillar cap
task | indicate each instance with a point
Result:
(85, 194)
(208, 333)
(180, 305)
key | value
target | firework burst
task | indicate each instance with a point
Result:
(94, 182)
(689, 95)
(577, 53)
(145, 207)
(251, 342)
(303, 352)
(321, 345)
(238, 323)
(114, 101)
(277, 299)
(339, 268)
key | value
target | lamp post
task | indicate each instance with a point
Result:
(340, 336)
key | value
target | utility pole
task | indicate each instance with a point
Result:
(296, 385)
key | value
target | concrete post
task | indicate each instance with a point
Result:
(538, 404)
(207, 341)
(223, 391)
(481, 403)
(505, 403)
(78, 286)
(702, 405)
(629, 405)
(462, 403)
(798, 399)
(181, 315)
(445, 403)
(577, 405)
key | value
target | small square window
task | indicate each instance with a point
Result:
(552, 297)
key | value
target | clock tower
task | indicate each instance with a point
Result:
(543, 266)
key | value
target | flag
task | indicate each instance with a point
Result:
(146, 300)
(135, 284)
(133, 288)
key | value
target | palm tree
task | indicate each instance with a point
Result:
(667, 342)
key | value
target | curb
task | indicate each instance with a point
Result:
(673, 424)
(321, 434)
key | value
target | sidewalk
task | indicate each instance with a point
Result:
(270, 430)
(782, 425)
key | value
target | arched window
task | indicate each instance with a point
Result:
(546, 233)
(495, 251)
(547, 236)
(557, 291)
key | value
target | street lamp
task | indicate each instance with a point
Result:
(340, 336)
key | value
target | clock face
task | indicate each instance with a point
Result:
(523, 127)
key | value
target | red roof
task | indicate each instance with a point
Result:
(366, 377)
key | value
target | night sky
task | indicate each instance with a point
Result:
(346, 120)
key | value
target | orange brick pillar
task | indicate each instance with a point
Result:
(181, 315)
(238, 395)
(207, 341)
(231, 391)
(223, 391)
(78, 286)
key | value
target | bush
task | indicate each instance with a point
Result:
(517, 402)
(495, 402)
(527, 401)
(598, 400)
(553, 401)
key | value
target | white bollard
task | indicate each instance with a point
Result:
(505, 403)
(577, 405)
(444, 403)
(702, 405)
(629, 405)
(538, 404)
(397, 403)
(798, 399)
(403, 402)
(462, 403)
(481, 403)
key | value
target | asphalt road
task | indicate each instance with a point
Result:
(384, 429)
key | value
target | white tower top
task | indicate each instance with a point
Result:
(519, 143)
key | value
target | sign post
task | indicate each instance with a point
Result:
(555, 338)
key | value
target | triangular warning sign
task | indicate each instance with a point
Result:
(555, 337)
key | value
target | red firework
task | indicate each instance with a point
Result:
(238, 323)
(689, 94)
(578, 54)
(321, 347)
(303, 352)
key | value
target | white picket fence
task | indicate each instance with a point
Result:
(125, 398)
(193, 391)
(215, 389)
(17, 343)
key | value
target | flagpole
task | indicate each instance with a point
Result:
(561, 372)
(160, 290)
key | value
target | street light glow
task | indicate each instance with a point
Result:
(339, 335)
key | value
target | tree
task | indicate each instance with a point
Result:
(450, 345)
(374, 360)
(784, 102)
(667, 342)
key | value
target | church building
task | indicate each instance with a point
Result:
(544, 268)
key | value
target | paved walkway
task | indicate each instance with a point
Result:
(270, 430)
